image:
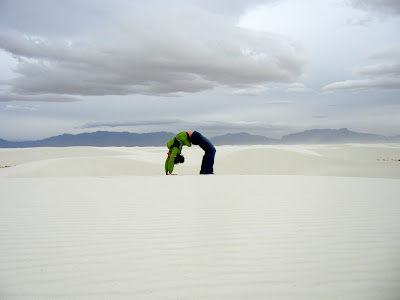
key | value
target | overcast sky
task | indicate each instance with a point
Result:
(269, 67)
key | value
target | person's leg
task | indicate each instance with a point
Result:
(207, 165)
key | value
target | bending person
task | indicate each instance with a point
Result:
(187, 139)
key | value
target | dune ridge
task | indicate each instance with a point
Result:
(380, 161)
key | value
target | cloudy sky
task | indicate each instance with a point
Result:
(269, 67)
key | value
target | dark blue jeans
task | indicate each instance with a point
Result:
(207, 165)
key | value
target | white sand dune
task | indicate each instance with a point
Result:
(382, 161)
(276, 222)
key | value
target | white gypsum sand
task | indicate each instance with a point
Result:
(275, 222)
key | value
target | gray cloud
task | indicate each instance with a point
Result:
(383, 73)
(64, 50)
(198, 51)
(129, 124)
(378, 6)
(74, 16)
(7, 96)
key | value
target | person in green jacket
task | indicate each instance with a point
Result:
(187, 138)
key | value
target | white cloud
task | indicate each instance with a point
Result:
(20, 108)
(298, 87)
(330, 45)
(383, 73)
(365, 84)
(251, 91)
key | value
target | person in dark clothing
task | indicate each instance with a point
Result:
(207, 164)
(187, 138)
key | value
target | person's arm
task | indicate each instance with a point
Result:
(183, 138)
(166, 164)
(171, 160)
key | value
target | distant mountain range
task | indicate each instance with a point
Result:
(97, 139)
(329, 136)
(242, 138)
(314, 136)
(127, 139)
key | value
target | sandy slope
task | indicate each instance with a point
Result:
(75, 225)
(381, 161)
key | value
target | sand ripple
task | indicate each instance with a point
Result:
(194, 237)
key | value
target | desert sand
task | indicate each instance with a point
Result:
(274, 222)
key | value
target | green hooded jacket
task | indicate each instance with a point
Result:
(175, 147)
